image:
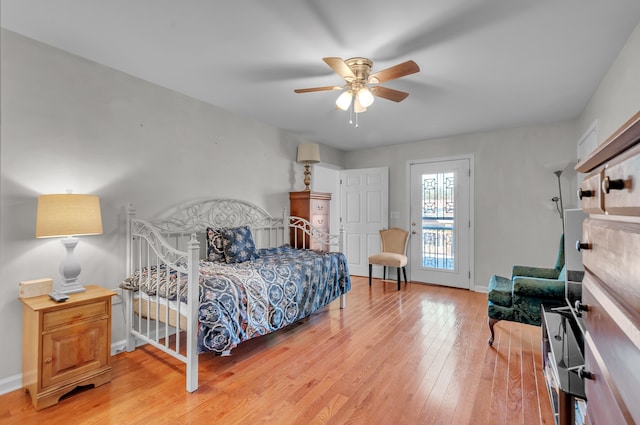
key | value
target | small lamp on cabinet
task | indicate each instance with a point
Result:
(67, 216)
(308, 153)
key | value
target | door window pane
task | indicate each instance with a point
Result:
(438, 220)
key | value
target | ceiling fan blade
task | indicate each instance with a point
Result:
(396, 71)
(390, 94)
(312, 89)
(341, 68)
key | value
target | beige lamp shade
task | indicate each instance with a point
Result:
(68, 215)
(309, 152)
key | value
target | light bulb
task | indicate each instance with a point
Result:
(365, 97)
(344, 100)
(357, 107)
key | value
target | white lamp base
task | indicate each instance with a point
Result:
(70, 288)
(70, 269)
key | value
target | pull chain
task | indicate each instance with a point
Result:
(352, 113)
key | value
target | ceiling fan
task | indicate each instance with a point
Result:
(362, 85)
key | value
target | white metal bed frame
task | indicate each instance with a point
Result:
(171, 241)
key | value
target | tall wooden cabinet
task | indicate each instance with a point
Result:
(610, 246)
(313, 207)
(65, 345)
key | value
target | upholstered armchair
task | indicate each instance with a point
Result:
(394, 253)
(519, 298)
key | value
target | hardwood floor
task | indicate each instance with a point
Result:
(418, 356)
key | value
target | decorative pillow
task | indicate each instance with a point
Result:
(238, 245)
(215, 245)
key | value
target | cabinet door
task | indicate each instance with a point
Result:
(71, 351)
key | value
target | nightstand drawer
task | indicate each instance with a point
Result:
(72, 315)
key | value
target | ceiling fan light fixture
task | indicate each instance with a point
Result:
(365, 98)
(358, 108)
(344, 100)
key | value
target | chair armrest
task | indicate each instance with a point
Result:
(538, 272)
(538, 288)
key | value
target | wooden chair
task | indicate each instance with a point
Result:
(394, 253)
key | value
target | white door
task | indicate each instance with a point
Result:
(441, 222)
(326, 178)
(364, 204)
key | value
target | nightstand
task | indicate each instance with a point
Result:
(65, 345)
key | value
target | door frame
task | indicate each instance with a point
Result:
(471, 158)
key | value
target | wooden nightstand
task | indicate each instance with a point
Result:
(65, 345)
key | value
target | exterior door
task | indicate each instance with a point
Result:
(440, 242)
(364, 200)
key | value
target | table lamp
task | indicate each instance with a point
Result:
(308, 153)
(68, 215)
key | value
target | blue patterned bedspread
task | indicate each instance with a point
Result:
(244, 300)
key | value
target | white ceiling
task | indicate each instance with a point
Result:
(485, 64)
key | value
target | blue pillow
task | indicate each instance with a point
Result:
(238, 245)
(215, 245)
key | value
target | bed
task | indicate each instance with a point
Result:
(210, 274)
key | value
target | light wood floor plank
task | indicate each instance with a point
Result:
(415, 356)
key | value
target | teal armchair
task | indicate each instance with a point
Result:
(519, 298)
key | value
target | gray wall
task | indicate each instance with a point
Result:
(515, 220)
(618, 97)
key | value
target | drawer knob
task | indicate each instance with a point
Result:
(584, 193)
(581, 307)
(48, 360)
(585, 374)
(582, 245)
(609, 185)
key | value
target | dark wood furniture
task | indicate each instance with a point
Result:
(313, 207)
(65, 345)
(562, 358)
(610, 245)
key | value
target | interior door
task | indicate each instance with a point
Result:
(364, 195)
(326, 178)
(440, 222)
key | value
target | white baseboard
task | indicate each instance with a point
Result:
(118, 347)
(10, 383)
(477, 288)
